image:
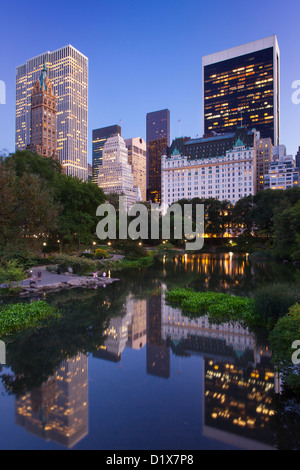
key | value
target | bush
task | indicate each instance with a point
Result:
(285, 332)
(20, 316)
(100, 253)
(134, 251)
(273, 301)
(11, 272)
(79, 265)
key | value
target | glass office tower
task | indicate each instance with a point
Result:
(100, 136)
(157, 139)
(241, 87)
(68, 72)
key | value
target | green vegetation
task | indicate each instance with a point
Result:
(285, 333)
(11, 271)
(268, 309)
(273, 301)
(79, 265)
(219, 306)
(124, 263)
(21, 316)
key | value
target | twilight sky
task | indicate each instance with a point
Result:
(147, 55)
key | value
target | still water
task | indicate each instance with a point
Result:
(122, 370)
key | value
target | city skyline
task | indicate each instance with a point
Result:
(179, 90)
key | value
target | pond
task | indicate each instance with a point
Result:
(123, 370)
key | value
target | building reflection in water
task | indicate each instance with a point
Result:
(238, 379)
(58, 410)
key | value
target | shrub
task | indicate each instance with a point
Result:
(11, 272)
(20, 316)
(282, 337)
(273, 301)
(100, 253)
(79, 265)
(134, 251)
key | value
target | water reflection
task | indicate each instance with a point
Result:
(238, 381)
(58, 410)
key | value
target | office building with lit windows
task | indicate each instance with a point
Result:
(225, 172)
(241, 87)
(115, 173)
(43, 140)
(137, 158)
(157, 139)
(100, 136)
(68, 72)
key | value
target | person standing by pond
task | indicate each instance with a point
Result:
(39, 275)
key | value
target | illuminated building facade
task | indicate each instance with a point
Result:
(115, 173)
(264, 156)
(68, 71)
(43, 140)
(157, 139)
(228, 175)
(242, 84)
(282, 174)
(100, 136)
(137, 158)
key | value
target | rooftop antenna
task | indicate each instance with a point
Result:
(241, 111)
(180, 131)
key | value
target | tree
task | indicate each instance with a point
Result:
(27, 209)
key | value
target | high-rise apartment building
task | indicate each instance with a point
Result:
(297, 158)
(264, 157)
(157, 139)
(68, 72)
(282, 174)
(137, 158)
(43, 140)
(100, 136)
(241, 87)
(115, 173)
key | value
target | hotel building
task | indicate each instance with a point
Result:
(115, 174)
(241, 86)
(221, 167)
(157, 139)
(100, 136)
(137, 158)
(68, 72)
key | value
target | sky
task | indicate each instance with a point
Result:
(146, 55)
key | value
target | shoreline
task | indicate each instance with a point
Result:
(52, 282)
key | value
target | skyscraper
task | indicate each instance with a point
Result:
(68, 72)
(100, 136)
(137, 158)
(115, 173)
(43, 138)
(241, 87)
(157, 139)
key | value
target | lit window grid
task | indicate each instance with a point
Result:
(230, 177)
(69, 75)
